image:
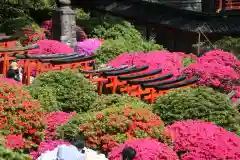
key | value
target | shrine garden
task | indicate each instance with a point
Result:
(117, 91)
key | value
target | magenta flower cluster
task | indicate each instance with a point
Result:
(51, 47)
(89, 46)
(216, 69)
(46, 146)
(146, 149)
(53, 120)
(221, 57)
(169, 62)
(200, 140)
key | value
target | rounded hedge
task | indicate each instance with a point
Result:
(68, 89)
(116, 100)
(197, 103)
(115, 28)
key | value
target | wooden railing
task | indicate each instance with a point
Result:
(228, 5)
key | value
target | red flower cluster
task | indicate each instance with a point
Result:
(15, 141)
(114, 126)
(53, 120)
(204, 140)
(20, 116)
(146, 149)
(31, 36)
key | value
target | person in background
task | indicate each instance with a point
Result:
(128, 153)
(75, 151)
(13, 72)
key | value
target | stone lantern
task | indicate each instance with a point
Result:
(64, 23)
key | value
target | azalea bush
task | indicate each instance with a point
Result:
(145, 149)
(32, 34)
(204, 140)
(21, 117)
(116, 100)
(52, 121)
(110, 127)
(88, 46)
(46, 146)
(216, 69)
(197, 103)
(71, 91)
(51, 47)
(221, 57)
(169, 62)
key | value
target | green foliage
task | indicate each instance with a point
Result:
(187, 61)
(16, 14)
(197, 103)
(229, 44)
(106, 129)
(81, 14)
(14, 25)
(116, 100)
(112, 48)
(115, 28)
(46, 97)
(6, 154)
(69, 91)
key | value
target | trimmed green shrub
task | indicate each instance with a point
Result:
(112, 48)
(68, 89)
(81, 15)
(116, 100)
(115, 28)
(197, 103)
(45, 96)
(110, 127)
(229, 44)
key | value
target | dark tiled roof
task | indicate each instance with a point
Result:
(149, 13)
